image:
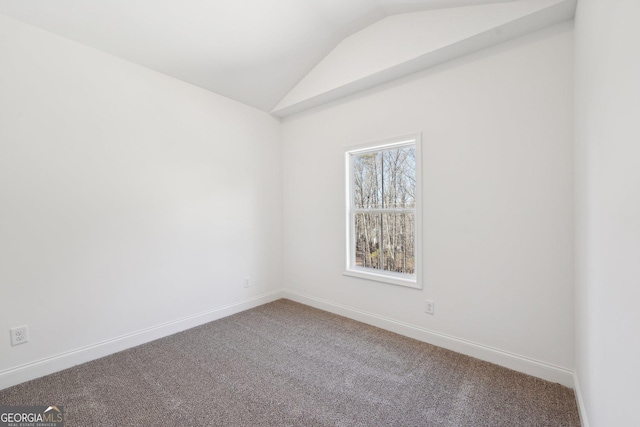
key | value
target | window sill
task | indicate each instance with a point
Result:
(384, 278)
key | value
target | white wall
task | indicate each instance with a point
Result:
(498, 205)
(128, 199)
(608, 210)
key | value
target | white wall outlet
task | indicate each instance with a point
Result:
(429, 307)
(247, 282)
(19, 335)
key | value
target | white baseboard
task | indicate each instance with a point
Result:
(582, 409)
(516, 362)
(49, 365)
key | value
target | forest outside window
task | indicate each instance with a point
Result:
(383, 211)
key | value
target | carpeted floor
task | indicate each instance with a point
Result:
(286, 364)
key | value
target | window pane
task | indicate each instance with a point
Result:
(367, 240)
(399, 244)
(367, 180)
(399, 177)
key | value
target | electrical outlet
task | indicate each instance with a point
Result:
(429, 307)
(247, 282)
(19, 335)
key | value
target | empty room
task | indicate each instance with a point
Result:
(319, 213)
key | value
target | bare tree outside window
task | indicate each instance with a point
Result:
(383, 208)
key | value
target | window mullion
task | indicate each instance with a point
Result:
(387, 211)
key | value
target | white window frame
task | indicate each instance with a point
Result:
(413, 280)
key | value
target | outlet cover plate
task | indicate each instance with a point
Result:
(429, 307)
(19, 335)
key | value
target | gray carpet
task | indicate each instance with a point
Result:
(286, 364)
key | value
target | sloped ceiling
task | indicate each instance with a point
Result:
(406, 43)
(253, 51)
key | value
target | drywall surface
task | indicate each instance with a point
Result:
(127, 198)
(608, 210)
(497, 138)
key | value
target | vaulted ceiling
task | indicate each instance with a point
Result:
(253, 51)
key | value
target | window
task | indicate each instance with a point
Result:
(383, 211)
